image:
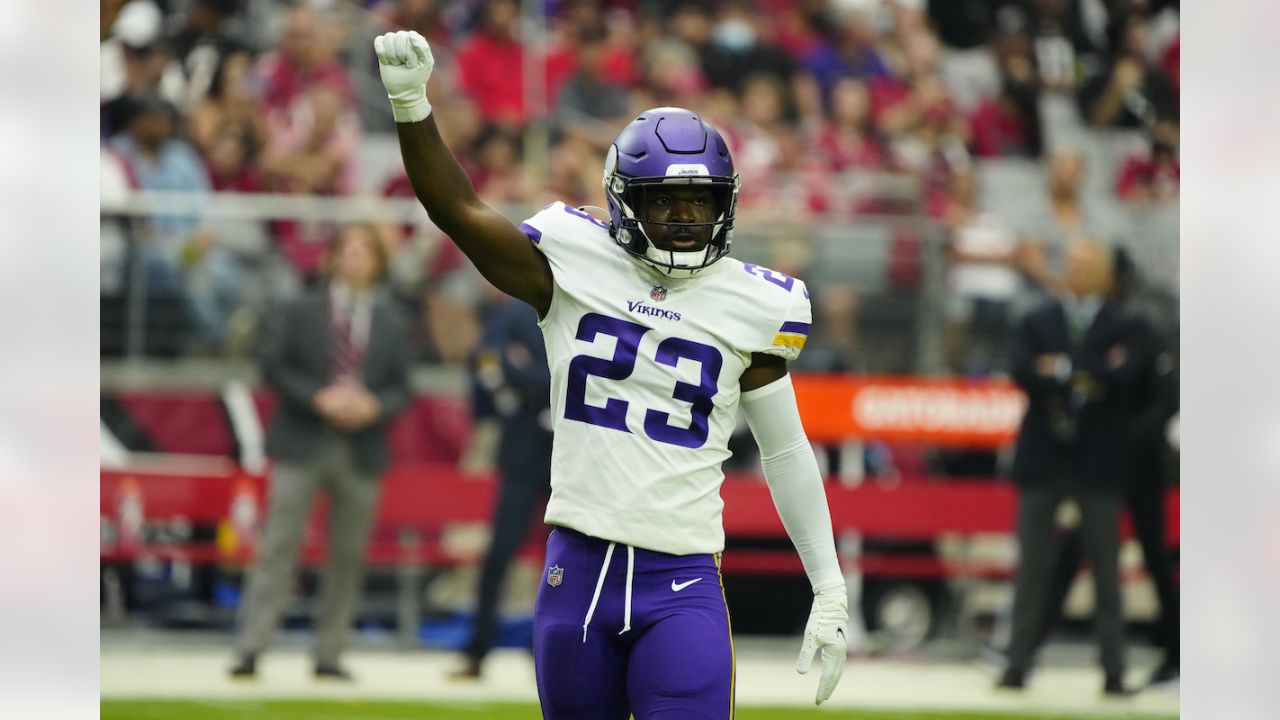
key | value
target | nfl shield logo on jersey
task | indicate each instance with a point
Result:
(658, 293)
(555, 576)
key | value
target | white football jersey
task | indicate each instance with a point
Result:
(644, 381)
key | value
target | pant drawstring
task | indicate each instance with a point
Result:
(595, 598)
(626, 607)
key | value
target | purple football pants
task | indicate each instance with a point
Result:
(675, 660)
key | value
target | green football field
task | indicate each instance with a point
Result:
(362, 710)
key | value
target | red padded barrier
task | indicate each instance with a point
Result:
(428, 497)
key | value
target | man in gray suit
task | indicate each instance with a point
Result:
(338, 360)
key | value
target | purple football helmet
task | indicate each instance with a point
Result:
(663, 147)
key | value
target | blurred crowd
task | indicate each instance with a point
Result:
(839, 113)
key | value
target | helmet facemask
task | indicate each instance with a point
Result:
(630, 195)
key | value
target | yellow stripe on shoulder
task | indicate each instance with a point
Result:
(789, 340)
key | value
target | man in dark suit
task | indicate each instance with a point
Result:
(1155, 403)
(338, 360)
(1074, 359)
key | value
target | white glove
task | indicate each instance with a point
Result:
(828, 631)
(405, 63)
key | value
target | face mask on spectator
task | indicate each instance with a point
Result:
(735, 34)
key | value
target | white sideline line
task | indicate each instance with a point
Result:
(763, 679)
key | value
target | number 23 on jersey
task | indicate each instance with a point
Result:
(613, 414)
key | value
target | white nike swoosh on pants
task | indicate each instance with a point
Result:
(677, 587)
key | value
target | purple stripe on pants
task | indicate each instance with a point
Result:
(676, 661)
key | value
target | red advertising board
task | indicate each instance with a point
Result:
(941, 411)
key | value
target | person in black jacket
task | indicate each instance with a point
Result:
(338, 361)
(1074, 358)
(1155, 403)
(515, 385)
(1130, 92)
(1158, 404)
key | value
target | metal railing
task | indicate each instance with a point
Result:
(894, 264)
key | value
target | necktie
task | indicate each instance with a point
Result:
(346, 356)
(1077, 323)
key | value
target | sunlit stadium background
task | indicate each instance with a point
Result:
(910, 160)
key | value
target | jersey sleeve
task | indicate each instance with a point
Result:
(544, 226)
(557, 227)
(567, 237)
(789, 337)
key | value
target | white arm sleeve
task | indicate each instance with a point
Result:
(791, 471)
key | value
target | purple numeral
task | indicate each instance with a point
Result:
(782, 280)
(701, 397)
(614, 413)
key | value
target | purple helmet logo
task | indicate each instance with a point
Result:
(664, 147)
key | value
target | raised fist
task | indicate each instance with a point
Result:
(405, 63)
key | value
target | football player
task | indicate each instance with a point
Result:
(655, 338)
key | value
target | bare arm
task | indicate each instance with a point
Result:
(499, 249)
(763, 370)
(1104, 99)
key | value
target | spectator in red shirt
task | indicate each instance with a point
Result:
(229, 163)
(492, 66)
(315, 155)
(914, 112)
(622, 47)
(231, 106)
(849, 142)
(1152, 176)
(306, 58)
(900, 101)
(795, 30)
(1009, 125)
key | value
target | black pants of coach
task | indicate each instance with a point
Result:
(525, 482)
(1145, 501)
(1038, 550)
